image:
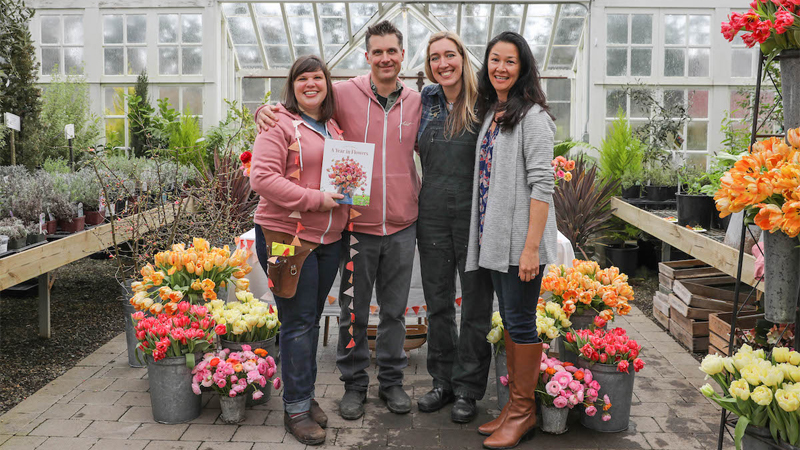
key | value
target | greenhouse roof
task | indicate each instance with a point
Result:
(268, 36)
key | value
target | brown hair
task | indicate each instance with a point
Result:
(382, 29)
(303, 64)
(462, 117)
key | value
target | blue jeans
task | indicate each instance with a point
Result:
(518, 300)
(300, 316)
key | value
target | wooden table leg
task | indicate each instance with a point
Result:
(327, 327)
(666, 252)
(44, 305)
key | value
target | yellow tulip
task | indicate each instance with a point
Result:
(772, 377)
(740, 389)
(762, 395)
(752, 374)
(208, 265)
(794, 358)
(190, 267)
(787, 400)
(199, 271)
(780, 354)
(242, 284)
(712, 365)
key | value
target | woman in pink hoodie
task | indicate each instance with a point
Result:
(286, 169)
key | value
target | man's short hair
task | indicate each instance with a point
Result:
(382, 29)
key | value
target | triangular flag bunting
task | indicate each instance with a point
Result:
(351, 330)
(286, 252)
(416, 309)
(295, 147)
(352, 317)
(296, 174)
(353, 240)
(351, 344)
(458, 301)
(353, 252)
(351, 279)
(270, 309)
(349, 266)
(295, 215)
(273, 260)
(296, 242)
(350, 227)
(331, 299)
(354, 213)
(296, 123)
(349, 291)
(406, 310)
(373, 308)
(297, 160)
(270, 283)
(425, 307)
(297, 134)
(300, 228)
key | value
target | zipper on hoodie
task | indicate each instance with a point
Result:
(330, 212)
(383, 154)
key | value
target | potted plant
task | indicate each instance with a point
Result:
(695, 208)
(496, 337)
(88, 193)
(631, 184)
(234, 375)
(563, 386)
(621, 152)
(35, 234)
(622, 247)
(62, 208)
(15, 230)
(172, 343)
(663, 183)
(613, 359)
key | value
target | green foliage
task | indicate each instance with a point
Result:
(693, 179)
(632, 178)
(236, 133)
(664, 127)
(53, 166)
(621, 152)
(183, 139)
(621, 232)
(139, 112)
(13, 228)
(664, 175)
(563, 147)
(66, 100)
(18, 92)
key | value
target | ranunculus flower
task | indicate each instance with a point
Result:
(560, 402)
(276, 383)
(591, 411)
(553, 388)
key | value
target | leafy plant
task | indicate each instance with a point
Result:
(693, 179)
(52, 166)
(139, 113)
(663, 130)
(583, 206)
(622, 232)
(631, 178)
(563, 147)
(13, 228)
(183, 138)
(661, 176)
(621, 152)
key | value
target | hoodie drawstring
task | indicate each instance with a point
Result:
(401, 120)
(366, 129)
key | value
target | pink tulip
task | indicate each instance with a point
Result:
(276, 383)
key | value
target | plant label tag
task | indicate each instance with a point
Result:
(41, 223)
(50, 215)
(144, 186)
(80, 209)
(69, 131)
(12, 121)
(113, 209)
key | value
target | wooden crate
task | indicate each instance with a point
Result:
(665, 281)
(694, 327)
(662, 318)
(688, 311)
(707, 288)
(699, 301)
(689, 268)
(661, 303)
(719, 326)
(694, 344)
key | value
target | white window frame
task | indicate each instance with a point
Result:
(124, 45)
(179, 44)
(628, 46)
(61, 45)
(687, 46)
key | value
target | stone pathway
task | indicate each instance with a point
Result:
(104, 404)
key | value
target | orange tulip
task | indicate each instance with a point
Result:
(769, 217)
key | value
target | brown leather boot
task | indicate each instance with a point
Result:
(318, 414)
(304, 429)
(520, 420)
(488, 428)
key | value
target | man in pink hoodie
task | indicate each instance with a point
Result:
(379, 109)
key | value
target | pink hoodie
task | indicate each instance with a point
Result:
(281, 194)
(395, 183)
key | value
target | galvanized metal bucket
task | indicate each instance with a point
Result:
(759, 438)
(619, 388)
(171, 393)
(233, 408)
(501, 370)
(782, 273)
(271, 348)
(554, 420)
(130, 336)
(580, 321)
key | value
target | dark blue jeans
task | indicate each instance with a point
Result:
(518, 300)
(299, 316)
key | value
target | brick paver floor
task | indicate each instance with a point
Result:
(103, 404)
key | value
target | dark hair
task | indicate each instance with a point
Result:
(382, 29)
(526, 92)
(303, 64)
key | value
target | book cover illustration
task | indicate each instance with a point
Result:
(347, 170)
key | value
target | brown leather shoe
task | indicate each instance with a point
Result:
(318, 414)
(488, 428)
(520, 421)
(304, 429)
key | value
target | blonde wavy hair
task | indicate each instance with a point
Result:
(462, 117)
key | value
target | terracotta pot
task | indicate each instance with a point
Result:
(94, 218)
(51, 226)
(77, 224)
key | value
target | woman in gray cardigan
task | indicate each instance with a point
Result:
(513, 229)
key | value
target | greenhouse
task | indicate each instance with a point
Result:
(452, 224)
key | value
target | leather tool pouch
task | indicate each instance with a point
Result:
(285, 272)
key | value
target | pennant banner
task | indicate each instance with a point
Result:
(353, 240)
(354, 213)
(296, 174)
(331, 299)
(353, 252)
(416, 309)
(349, 291)
(351, 344)
(300, 228)
(273, 260)
(297, 123)
(296, 242)
(352, 318)
(349, 266)
(458, 301)
(297, 160)
(270, 283)
(373, 308)
(351, 330)
(295, 215)
(351, 279)
(295, 147)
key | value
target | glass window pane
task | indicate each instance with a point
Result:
(171, 94)
(642, 29)
(417, 32)
(617, 29)
(279, 56)
(615, 99)
(334, 31)
(137, 60)
(568, 31)
(474, 30)
(562, 113)
(675, 30)
(562, 57)
(698, 62)
(253, 89)
(115, 132)
(192, 63)
(674, 61)
(112, 29)
(506, 24)
(696, 159)
(237, 9)
(303, 50)
(639, 110)
(508, 10)
(137, 29)
(356, 60)
(476, 9)
(242, 30)
(193, 100)
(304, 31)
(272, 30)
(276, 86)
(358, 22)
(113, 59)
(480, 51)
(558, 89)
(616, 62)
(535, 9)
(51, 60)
(742, 62)
(537, 29)
(192, 28)
(266, 9)
(168, 60)
(700, 27)
(168, 28)
(51, 30)
(573, 10)
(331, 50)
(674, 100)
(332, 9)
(73, 60)
(250, 56)
(73, 30)
(299, 9)
(539, 53)
(698, 104)
(114, 101)
(697, 138)
(641, 61)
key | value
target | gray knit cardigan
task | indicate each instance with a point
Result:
(521, 171)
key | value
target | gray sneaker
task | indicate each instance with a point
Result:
(396, 399)
(352, 405)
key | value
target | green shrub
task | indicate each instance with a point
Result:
(620, 152)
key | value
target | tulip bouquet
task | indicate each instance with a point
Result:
(248, 320)
(235, 373)
(551, 320)
(763, 392)
(766, 183)
(495, 336)
(562, 385)
(188, 331)
(769, 23)
(606, 347)
(347, 175)
(562, 168)
(586, 286)
(195, 273)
